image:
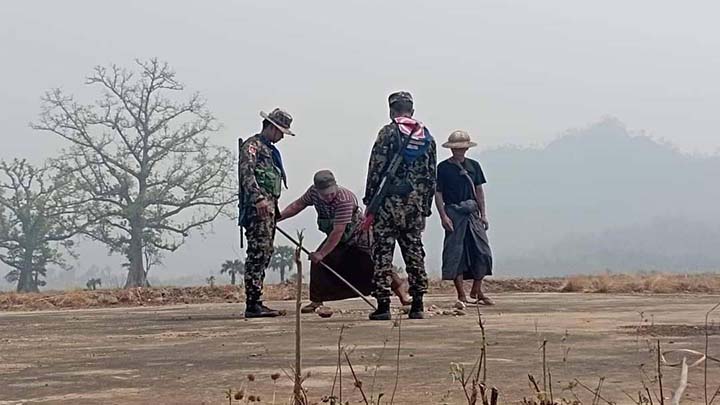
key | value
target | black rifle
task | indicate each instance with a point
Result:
(386, 182)
(241, 197)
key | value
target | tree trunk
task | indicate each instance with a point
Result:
(232, 278)
(26, 284)
(282, 274)
(136, 272)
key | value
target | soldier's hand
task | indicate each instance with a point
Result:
(447, 223)
(263, 208)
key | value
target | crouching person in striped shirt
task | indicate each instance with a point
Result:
(346, 248)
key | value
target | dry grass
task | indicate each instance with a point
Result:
(648, 283)
(574, 284)
(134, 297)
(640, 283)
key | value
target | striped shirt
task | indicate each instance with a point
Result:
(342, 211)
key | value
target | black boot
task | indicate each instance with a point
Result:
(417, 311)
(255, 309)
(382, 313)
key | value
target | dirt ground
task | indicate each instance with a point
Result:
(191, 354)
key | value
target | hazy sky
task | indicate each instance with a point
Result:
(508, 71)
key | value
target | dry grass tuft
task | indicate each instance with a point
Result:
(647, 283)
(602, 284)
(574, 284)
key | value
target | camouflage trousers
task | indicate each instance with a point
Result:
(260, 234)
(404, 225)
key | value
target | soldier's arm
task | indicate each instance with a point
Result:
(378, 161)
(248, 160)
(432, 178)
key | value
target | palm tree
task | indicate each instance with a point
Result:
(93, 283)
(282, 259)
(234, 268)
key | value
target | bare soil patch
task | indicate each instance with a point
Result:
(191, 354)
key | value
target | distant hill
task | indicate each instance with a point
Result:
(665, 244)
(598, 198)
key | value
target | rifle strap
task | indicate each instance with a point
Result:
(464, 173)
(391, 165)
(402, 144)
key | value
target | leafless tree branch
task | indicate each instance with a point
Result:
(142, 160)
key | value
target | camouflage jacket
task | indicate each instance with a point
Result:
(258, 176)
(420, 174)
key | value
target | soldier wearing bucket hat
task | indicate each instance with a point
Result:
(460, 200)
(261, 177)
(280, 120)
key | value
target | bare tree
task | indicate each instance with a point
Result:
(144, 159)
(39, 213)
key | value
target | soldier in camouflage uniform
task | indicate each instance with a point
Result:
(402, 213)
(261, 173)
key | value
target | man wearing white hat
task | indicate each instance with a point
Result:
(460, 200)
(261, 175)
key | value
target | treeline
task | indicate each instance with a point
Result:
(138, 174)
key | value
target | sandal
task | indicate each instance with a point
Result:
(460, 304)
(310, 308)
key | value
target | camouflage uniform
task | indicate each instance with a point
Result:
(259, 178)
(400, 218)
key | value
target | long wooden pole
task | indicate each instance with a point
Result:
(298, 331)
(307, 252)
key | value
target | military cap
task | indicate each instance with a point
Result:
(280, 118)
(400, 96)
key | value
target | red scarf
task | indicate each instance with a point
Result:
(412, 127)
